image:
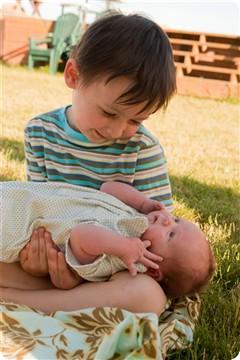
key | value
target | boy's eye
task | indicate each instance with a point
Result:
(176, 219)
(107, 114)
(136, 123)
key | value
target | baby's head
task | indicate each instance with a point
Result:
(188, 263)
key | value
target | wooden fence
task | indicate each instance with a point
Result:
(206, 64)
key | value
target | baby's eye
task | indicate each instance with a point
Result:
(176, 219)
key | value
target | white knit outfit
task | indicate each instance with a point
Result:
(59, 208)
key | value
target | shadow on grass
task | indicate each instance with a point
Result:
(12, 149)
(207, 200)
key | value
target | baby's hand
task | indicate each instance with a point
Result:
(137, 252)
(33, 257)
(150, 205)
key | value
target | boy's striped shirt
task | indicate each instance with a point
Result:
(56, 152)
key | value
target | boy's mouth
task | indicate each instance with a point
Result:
(100, 135)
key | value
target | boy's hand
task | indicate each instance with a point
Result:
(137, 252)
(150, 205)
(61, 275)
(33, 257)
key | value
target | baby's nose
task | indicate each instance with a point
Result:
(167, 219)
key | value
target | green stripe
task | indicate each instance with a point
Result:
(150, 165)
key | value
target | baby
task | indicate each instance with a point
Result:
(101, 235)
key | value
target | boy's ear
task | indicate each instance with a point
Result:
(71, 74)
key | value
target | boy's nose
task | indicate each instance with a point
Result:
(116, 133)
(117, 130)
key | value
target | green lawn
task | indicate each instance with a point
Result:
(201, 141)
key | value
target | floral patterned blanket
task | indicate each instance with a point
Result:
(96, 333)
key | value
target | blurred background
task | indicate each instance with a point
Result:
(204, 36)
(208, 16)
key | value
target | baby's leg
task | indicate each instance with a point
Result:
(12, 275)
(137, 294)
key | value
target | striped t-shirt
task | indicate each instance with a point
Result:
(57, 152)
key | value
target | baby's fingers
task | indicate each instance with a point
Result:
(147, 243)
(152, 256)
(159, 206)
(148, 263)
(132, 269)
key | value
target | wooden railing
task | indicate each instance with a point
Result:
(210, 57)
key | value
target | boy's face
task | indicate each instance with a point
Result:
(178, 241)
(95, 111)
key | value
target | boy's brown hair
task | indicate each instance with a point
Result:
(133, 46)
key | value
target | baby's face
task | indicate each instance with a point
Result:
(176, 239)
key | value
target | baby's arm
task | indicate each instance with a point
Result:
(131, 196)
(89, 241)
(36, 170)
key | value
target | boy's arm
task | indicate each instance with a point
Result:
(89, 241)
(151, 176)
(34, 153)
(131, 196)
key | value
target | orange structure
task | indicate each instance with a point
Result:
(15, 32)
(207, 64)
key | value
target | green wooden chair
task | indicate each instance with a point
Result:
(66, 33)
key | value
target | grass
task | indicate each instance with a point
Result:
(201, 141)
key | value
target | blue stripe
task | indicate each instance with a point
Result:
(150, 165)
(73, 182)
(49, 120)
(167, 202)
(36, 169)
(149, 186)
(70, 160)
(37, 154)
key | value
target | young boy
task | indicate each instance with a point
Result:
(120, 73)
(102, 235)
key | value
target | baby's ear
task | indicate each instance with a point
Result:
(156, 274)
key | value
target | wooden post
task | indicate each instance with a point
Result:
(195, 51)
(203, 42)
